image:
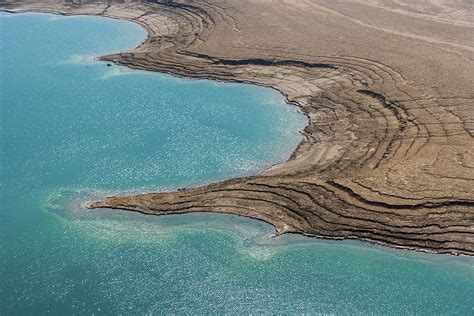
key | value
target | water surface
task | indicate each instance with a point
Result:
(73, 129)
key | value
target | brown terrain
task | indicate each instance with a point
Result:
(387, 85)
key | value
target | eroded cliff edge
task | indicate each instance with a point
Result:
(388, 155)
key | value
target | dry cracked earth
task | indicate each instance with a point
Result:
(387, 86)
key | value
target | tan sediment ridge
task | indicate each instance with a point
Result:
(388, 87)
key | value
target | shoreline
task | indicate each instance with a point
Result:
(312, 192)
(87, 204)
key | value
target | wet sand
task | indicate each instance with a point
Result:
(388, 154)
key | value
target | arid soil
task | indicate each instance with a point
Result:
(387, 85)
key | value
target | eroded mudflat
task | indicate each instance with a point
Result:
(387, 86)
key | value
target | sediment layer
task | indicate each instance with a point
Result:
(388, 154)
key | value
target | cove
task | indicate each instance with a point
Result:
(73, 128)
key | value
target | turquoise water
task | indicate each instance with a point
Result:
(73, 129)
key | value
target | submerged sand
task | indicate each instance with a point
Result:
(388, 154)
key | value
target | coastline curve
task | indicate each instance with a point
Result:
(382, 159)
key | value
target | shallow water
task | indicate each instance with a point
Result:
(73, 129)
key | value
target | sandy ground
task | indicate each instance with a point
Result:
(388, 86)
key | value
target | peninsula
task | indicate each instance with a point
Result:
(388, 89)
